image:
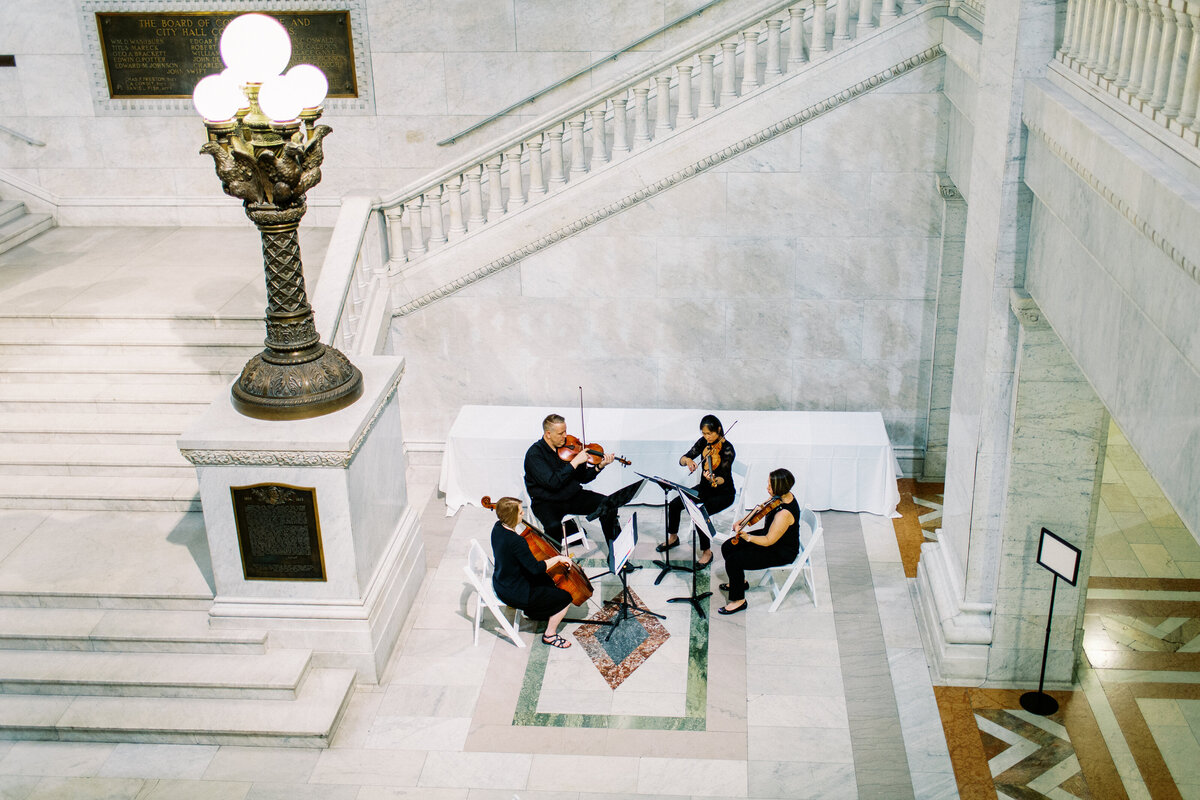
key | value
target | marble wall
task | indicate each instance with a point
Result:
(801, 275)
(431, 70)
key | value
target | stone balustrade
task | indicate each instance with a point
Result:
(630, 116)
(1146, 53)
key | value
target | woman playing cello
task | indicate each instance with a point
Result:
(523, 582)
(716, 488)
(776, 543)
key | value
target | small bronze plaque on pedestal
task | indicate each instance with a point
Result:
(165, 53)
(279, 535)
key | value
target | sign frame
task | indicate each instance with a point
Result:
(1053, 559)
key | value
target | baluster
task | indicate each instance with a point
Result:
(1079, 39)
(820, 21)
(1093, 35)
(557, 173)
(495, 208)
(728, 71)
(437, 232)
(620, 123)
(1131, 26)
(578, 162)
(395, 230)
(516, 189)
(707, 84)
(1166, 50)
(416, 231)
(1106, 35)
(841, 23)
(662, 104)
(1139, 47)
(475, 198)
(887, 13)
(1068, 26)
(1183, 32)
(599, 145)
(910, 5)
(1118, 39)
(683, 112)
(1153, 34)
(454, 189)
(1191, 86)
(641, 115)
(537, 182)
(774, 28)
(865, 23)
(795, 38)
(750, 62)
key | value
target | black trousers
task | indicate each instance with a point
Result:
(743, 556)
(550, 514)
(712, 505)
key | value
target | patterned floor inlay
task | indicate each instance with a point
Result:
(618, 651)
(920, 512)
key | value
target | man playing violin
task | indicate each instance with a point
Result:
(523, 582)
(716, 488)
(555, 484)
(776, 543)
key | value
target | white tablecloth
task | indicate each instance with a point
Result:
(841, 460)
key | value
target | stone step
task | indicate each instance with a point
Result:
(152, 340)
(163, 423)
(109, 397)
(22, 229)
(104, 459)
(275, 674)
(10, 210)
(307, 721)
(117, 630)
(176, 601)
(116, 365)
(144, 325)
(100, 493)
(164, 350)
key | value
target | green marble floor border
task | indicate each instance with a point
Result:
(695, 705)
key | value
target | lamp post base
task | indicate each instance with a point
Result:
(274, 391)
(1039, 703)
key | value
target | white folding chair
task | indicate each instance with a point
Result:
(723, 521)
(479, 569)
(576, 543)
(810, 537)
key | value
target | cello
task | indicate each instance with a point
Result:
(570, 579)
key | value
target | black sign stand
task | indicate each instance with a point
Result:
(1061, 558)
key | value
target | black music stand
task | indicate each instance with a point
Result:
(620, 550)
(699, 519)
(614, 501)
(665, 564)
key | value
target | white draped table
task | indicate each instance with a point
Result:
(842, 460)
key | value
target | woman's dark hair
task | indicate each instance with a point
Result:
(713, 424)
(782, 482)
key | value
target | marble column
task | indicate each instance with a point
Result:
(1059, 429)
(954, 223)
(957, 573)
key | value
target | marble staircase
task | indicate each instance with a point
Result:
(157, 675)
(92, 406)
(18, 225)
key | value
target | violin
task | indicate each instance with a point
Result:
(569, 578)
(757, 515)
(573, 447)
(711, 457)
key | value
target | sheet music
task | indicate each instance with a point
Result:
(622, 547)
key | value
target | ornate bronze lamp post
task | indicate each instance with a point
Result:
(267, 152)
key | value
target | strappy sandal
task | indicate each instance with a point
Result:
(556, 641)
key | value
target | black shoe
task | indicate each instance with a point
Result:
(664, 547)
(725, 586)
(737, 610)
(705, 564)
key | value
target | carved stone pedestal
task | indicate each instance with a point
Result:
(311, 533)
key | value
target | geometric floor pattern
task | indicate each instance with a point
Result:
(621, 648)
(1028, 755)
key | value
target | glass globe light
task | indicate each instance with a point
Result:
(256, 47)
(217, 98)
(231, 76)
(279, 100)
(310, 84)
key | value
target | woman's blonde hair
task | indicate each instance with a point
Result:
(508, 511)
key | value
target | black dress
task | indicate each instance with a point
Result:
(715, 498)
(520, 580)
(746, 555)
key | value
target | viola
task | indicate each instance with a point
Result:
(573, 447)
(757, 515)
(569, 578)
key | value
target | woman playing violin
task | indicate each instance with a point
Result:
(776, 543)
(523, 582)
(716, 488)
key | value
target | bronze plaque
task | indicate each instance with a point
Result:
(278, 531)
(165, 54)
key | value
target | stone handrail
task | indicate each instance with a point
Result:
(1143, 53)
(589, 133)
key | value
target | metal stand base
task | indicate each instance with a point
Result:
(665, 564)
(1039, 703)
(694, 598)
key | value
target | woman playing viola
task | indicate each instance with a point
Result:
(776, 543)
(716, 488)
(523, 582)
